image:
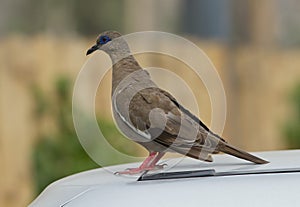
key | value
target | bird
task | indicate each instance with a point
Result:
(152, 117)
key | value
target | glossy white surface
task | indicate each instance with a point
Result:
(100, 187)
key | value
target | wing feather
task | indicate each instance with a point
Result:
(179, 129)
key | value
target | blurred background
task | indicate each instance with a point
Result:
(255, 46)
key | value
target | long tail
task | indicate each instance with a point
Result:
(226, 148)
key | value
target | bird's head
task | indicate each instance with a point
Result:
(109, 41)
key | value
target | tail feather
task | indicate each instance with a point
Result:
(228, 149)
(199, 154)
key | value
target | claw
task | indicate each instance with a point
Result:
(149, 164)
(132, 171)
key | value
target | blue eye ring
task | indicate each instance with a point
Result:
(104, 39)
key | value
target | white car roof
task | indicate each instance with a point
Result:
(100, 187)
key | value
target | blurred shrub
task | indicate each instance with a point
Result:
(61, 17)
(292, 128)
(58, 152)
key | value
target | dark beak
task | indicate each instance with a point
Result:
(92, 49)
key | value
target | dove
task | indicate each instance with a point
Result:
(152, 117)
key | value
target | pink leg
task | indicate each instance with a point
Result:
(156, 159)
(148, 160)
(148, 164)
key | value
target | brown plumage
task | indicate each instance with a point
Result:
(152, 117)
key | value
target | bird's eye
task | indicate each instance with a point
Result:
(104, 39)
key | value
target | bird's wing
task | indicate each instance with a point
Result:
(190, 115)
(169, 123)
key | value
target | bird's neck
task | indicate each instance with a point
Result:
(118, 54)
(122, 68)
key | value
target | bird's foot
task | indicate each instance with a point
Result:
(133, 171)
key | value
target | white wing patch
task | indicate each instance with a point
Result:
(144, 134)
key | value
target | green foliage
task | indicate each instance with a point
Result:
(292, 128)
(100, 15)
(87, 17)
(58, 152)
